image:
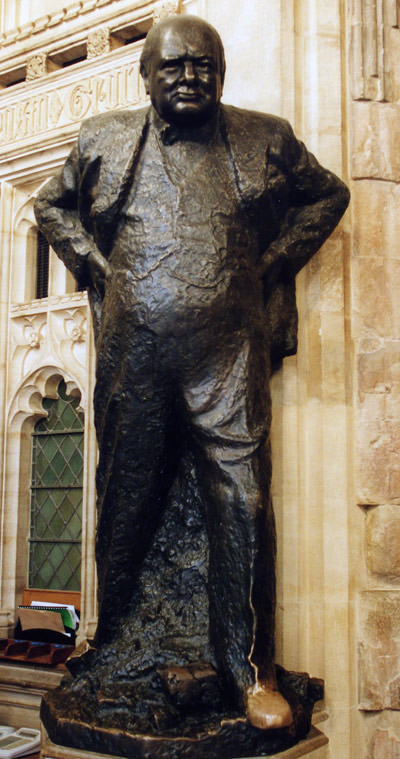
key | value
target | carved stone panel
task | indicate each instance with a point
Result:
(371, 25)
(98, 42)
(36, 66)
(53, 333)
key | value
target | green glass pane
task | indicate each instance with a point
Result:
(76, 465)
(68, 503)
(57, 526)
(57, 554)
(64, 574)
(71, 513)
(74, 527)
(48, 478)
(68, 446)
(58, 464)
(67, 417)
(66, 562)
(43, 506)
(41, 527)
(73, 558)
(41, 570)
(48, 446)
(56, 506)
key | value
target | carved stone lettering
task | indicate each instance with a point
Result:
(55, 109)
(80, 101)
(67, 104)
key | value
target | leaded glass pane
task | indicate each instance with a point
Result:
(56, 495)
(55, 566)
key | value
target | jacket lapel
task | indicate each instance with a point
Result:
(249, 147)
(119, 152)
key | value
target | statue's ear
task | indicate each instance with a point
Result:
(145, 77)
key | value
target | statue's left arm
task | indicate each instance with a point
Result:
(316, 201)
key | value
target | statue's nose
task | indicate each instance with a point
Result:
(189, 71)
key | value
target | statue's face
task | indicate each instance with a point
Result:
(184, 81)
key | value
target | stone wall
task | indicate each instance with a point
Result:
(375, 168)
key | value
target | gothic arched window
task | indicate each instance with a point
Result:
(56, 495)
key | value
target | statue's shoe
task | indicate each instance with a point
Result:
(266, 708)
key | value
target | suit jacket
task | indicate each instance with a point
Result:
(292, 199)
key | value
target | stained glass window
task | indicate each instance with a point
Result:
(56, 495)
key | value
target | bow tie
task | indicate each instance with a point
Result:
(170, 133)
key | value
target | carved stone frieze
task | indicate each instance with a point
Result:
(370, 48)
(98, 42)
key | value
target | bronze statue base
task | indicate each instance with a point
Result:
(192, 729)
(153, 691)
(314, 746)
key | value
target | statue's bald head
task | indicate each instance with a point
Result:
(198, 29)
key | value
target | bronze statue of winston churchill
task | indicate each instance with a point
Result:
(187, 221)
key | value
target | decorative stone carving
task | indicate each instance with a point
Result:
(70, 328)
(34, 339)
(42, 383)
(57, 336)
(164, 9)
(98, 42)
(36, 66)
(372, 23)
(28, 335)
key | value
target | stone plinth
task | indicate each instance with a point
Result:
(21, 689)
(315, 746)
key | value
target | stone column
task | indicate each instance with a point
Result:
(6, 208)
(375, 127)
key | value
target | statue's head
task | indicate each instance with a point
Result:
(183, 68)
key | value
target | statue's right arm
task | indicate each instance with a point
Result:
(57, 214)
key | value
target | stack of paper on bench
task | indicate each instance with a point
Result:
(48, 622)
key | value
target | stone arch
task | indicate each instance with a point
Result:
(24, 257)
(24, 411)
